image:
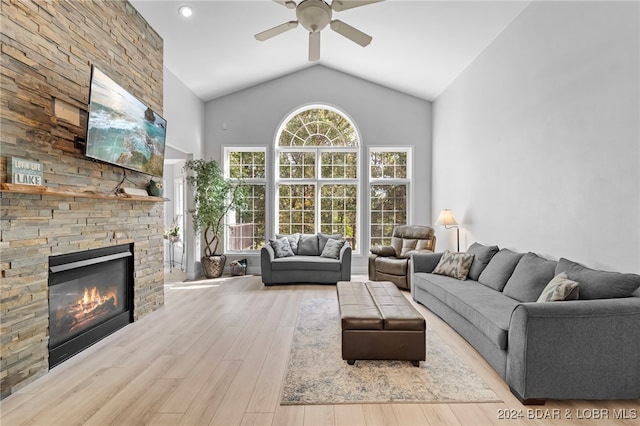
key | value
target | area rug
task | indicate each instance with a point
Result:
(317, 374)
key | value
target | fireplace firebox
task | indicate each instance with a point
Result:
(90, 297)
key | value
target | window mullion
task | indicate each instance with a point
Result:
(318, 186)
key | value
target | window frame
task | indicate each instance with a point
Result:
(264, 181)
(377, 181)
(318, 181)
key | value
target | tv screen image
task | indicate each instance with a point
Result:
(121, 130)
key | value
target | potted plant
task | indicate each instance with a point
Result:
(173, 233)
(214, 197)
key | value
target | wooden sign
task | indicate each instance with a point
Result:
(24, 172)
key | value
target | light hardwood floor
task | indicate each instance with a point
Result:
(216, 354)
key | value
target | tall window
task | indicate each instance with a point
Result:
(317, 167)
(389, 177)
(246, 230)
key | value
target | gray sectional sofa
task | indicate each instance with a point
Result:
(587, 348)
(308, 260)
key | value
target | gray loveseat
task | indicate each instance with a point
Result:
(573, 349)
(309, 260)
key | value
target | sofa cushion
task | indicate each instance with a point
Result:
(308, 263)
(391, 265)
(488, 310)
(499, 269)
(323, 238)
(403, 246)
(293, 241)
(559, 288)
(332, 248)
(424, 245)
(308, 245)
(531, 276)
(455, 265)
(482, 256)
(599, 284)
(281, 247)
(408, 245)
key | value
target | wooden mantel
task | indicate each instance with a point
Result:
(13, 188)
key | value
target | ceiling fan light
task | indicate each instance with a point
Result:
(314, 15)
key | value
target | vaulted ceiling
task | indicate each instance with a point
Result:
(419, 47)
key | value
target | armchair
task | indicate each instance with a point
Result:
(391, 263)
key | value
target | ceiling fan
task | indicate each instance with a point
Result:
(315, 15)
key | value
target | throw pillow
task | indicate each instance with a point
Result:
(323, 238)
(308, 245)
(281, 247)
(332, 248)
(599, 284)
(384, 251)
(530, 277)
(559, 288)
(454, 265)
(499, 269)
(482, 256)
(293, 241)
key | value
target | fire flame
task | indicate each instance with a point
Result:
(92, 299)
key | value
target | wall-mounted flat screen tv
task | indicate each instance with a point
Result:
(121, 130)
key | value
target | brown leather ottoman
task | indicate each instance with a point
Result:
(378, 322)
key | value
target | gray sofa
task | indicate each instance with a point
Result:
(308, 261)
(573, 349)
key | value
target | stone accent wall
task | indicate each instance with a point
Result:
(47, 49)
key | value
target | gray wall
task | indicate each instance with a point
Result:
(536, 145)
(383, 116)
(184, 113)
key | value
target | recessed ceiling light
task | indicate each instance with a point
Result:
(185, 11)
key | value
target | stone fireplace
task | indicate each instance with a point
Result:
(37, 227)
(47, 52)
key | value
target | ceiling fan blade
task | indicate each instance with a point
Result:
(340, 5)
(287, 3)
(314, 46)
(272, 32)
(351, 33)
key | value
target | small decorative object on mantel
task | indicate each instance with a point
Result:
(155, 188)
(24, 172)
(134, 192)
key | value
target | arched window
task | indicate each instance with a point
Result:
(317, 171)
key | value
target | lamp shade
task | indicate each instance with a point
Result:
(446, 218)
